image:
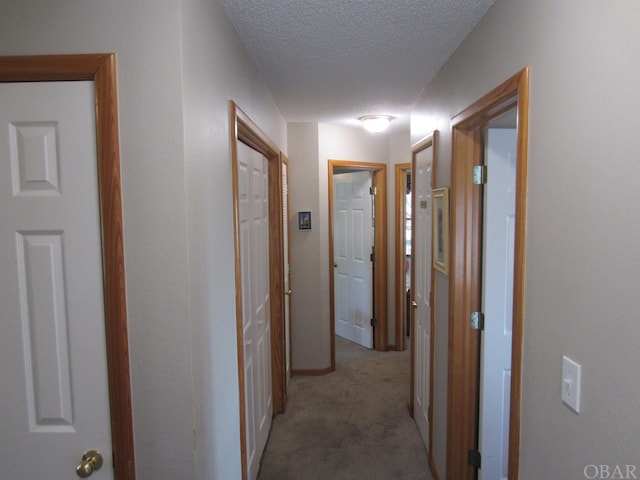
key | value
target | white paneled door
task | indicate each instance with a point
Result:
(352, 244)
(497, 300)
(422, 170)
(253, 198)
(54, 402)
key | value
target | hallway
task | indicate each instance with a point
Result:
(349, 424)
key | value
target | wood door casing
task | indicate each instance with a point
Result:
(401, 172)
(465, 271)
(101, 69)
(353, 269)
(380, 275)
(243, 129)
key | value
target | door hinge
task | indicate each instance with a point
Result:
(373, 191)
(475, 459)
(372, 257)
(373, 322)
(477, 321)
(479, 174)
(429, 414)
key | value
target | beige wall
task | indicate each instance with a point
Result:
(179, 62)
(310, 146)
(215, 68)
(310, 348)
(582, 236)
(153, 199)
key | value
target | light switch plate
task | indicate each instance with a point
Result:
(571, 383)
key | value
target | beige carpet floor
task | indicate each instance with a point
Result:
(350, 424)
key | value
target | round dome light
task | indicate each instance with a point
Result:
(376, 123)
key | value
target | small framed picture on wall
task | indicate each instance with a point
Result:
(304, 220)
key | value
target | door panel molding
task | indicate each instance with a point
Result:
(244, 130)
(465, 280)
(101, 69)
(380, 241)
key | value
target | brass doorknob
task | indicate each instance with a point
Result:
(288, 292)
(91, 460)
(414, 304)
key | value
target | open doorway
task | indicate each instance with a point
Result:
(498, 226)
(468, 279)
(403, 254)
(377, 324)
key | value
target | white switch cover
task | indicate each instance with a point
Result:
(571, 383)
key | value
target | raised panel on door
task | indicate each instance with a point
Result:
(45, 330)
(53, 371)
(341, 311)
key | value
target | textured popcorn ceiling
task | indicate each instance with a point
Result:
(335, 60)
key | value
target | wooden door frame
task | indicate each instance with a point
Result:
(379, 171)
(101, 70)
(401, 170)
(465, 276)
(421, 145)
(244, 130)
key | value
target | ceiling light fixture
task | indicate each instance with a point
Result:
(376, 123)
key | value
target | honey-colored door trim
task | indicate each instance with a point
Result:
(244, 130)
(465, 276)
(101, 69)
(380, 241)
(401, 171)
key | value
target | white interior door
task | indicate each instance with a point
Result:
(287, 269)
(352, 244)
(54, 402)
(497, 292)
(256, 319)
(422, 171)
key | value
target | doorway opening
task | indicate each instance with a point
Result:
(466, 277)
(354, 266)
(403, 254)
(266, 177)
(378, 256)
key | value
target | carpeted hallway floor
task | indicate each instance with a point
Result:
(350, 424)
